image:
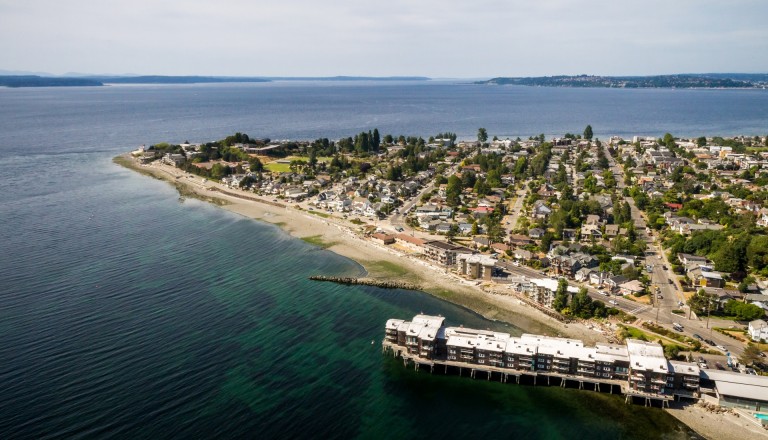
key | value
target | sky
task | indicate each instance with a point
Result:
(435, 38)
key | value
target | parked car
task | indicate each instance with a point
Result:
(614, 302)
(710, 342)
(696, 335)
(721, 348)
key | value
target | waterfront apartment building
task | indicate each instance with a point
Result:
(444, 253)
(420, 336)
(640, 364)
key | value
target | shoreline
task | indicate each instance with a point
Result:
(379, 262)
(386, 264)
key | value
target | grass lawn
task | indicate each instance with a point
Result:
(276, 167)
(319, 214)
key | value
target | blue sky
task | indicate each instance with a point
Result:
(446, 38)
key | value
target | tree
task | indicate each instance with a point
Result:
(750, 355)
(453, 191)
(256, 165)
(452, 231)
(561, 295)
(588, 132)
(669, 141)
(702, 302)
(581, 305)
(376, 139)
(482, 134)
(546, 241)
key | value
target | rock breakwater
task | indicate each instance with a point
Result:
(386, 284)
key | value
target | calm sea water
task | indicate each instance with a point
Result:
(128, 312)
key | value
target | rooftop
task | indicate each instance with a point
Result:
(646, 356)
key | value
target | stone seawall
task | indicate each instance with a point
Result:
(368, 282)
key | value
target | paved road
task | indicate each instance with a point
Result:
(671, 290)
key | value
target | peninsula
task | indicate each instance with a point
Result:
(101, 80)
(650, 238)
(682, 81)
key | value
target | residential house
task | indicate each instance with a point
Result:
(583, 274)
(519, 240)
(523, 255)
(633, 287)
(598, 278)
(382, 238)
(540, 210)
(703, 277)
(758, 330)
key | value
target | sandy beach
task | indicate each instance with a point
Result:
(380, 262)
(344, 238)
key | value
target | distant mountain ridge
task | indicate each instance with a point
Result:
(712, 81)
(100, 80)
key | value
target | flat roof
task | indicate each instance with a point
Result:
(611, 352)
(485, 260)
(646, 356)
(687, 368)
(743, 386)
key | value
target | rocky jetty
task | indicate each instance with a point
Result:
(386, 284)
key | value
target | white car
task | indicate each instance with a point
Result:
(614, 302)
(721, 348)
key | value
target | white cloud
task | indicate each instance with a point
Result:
(395, 37)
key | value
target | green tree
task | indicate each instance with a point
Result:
(669, 141)
(546, 241)
(482, 134)
(588, 132)
(453, 191)
(702, 302)
(256, 165)
(218, 171)
(581, 305)
(376, 139)
(561, 295)
(609, 180)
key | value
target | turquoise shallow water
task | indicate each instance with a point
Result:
(127, 312)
